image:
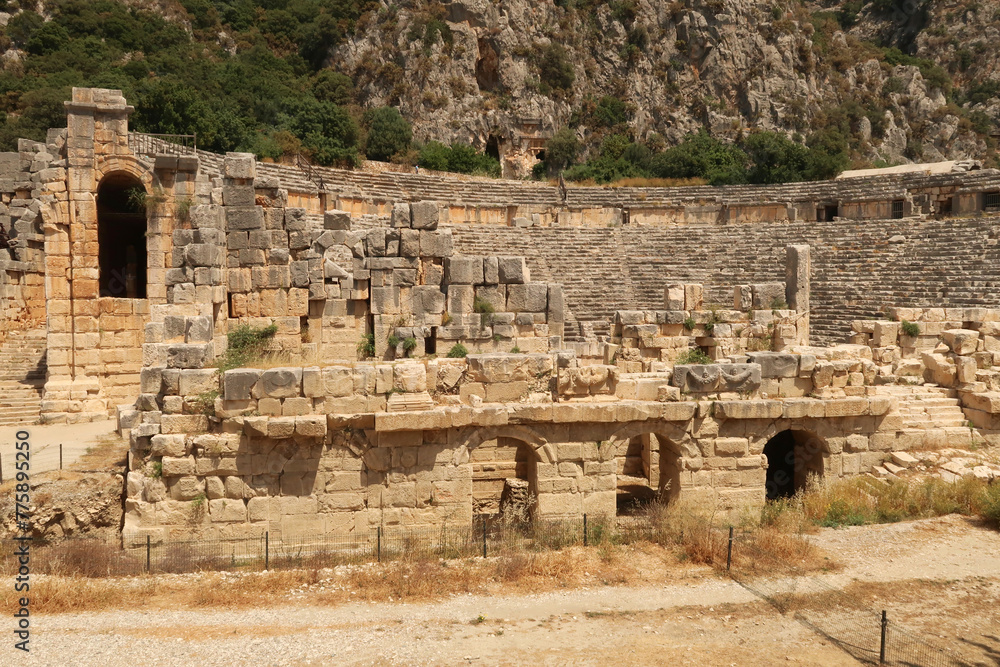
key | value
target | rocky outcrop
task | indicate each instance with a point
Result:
(470, 71)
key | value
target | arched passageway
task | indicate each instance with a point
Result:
(792, 458)
(504, 476)
(647, 469)
(121, 236)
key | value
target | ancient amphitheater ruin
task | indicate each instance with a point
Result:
(845, 323)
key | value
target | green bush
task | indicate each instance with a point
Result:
(388, 133)
(702, 156)
(458, 351)
(409, 344)
(689, 323)
(458, 158)
(693, 356)
(555, 69)
(910, 329)
(366, 346)
(393, 341)
(247, 345)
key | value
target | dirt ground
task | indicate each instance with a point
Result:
(939, 578)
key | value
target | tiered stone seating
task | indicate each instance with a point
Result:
(22, 375)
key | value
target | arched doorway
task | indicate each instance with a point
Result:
(121, 236)
(647, 469)
(793, 456)
(504, 477)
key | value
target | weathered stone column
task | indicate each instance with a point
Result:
(798, 273)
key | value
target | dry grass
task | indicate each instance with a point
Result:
(866, 500)
(109, 453)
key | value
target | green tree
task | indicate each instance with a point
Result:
(388, 133)
(329, 85)
(561, 150)
(828, 154)
(555, 68)
(774, 158)
(327, 131)
(702, 156)
(434, 155)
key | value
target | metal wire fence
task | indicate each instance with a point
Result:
(844, 619)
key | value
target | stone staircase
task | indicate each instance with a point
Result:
(22, 376)
(932, 416)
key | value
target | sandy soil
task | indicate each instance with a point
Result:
(940, 578)
(45, 440)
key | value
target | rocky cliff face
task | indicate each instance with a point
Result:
(475, 70)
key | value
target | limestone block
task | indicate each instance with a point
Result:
(183, 423)
(776, 364)
(400, 215)
(188, 356)
(556, 312)
(463, 270)
(424, 215)
(336, 219)
(293, 407)
(409, 243)
(586, 380)
(313, 426)
(227, 510)
(673, 297)
(196, 381)
(151, 380)
(384, 300)
(238, 195)
(460, 299)
(693, 297)
(489, 368)
(512, 270)
(410, 377)
(491, 270)
(742, 298)
(885, 334)
(168, 445)
(527, 297)
(941, 369)
(754, 409)
(767, 295)
(279, 383)
(436, 244)
(966, 368)
(241, 218)
(214, 488)
(961, 341)
(186, 488)
(240, 165)
(281, 427)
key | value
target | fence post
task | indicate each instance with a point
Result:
(1, 468)
(484, 539)
(267, 550)
(380, 544)
(60, 456)
(584, 529)
(881, 650)
(148, 549)
(729, 551)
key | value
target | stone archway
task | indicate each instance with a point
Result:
(648, 463)
(121, 236)
(793, 457)
(503, 464)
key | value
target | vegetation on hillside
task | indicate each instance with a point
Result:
(245, 75)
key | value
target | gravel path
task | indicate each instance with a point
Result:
(45, 440)
(706, 620)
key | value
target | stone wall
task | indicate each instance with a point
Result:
(341, 448)
(859, 269)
